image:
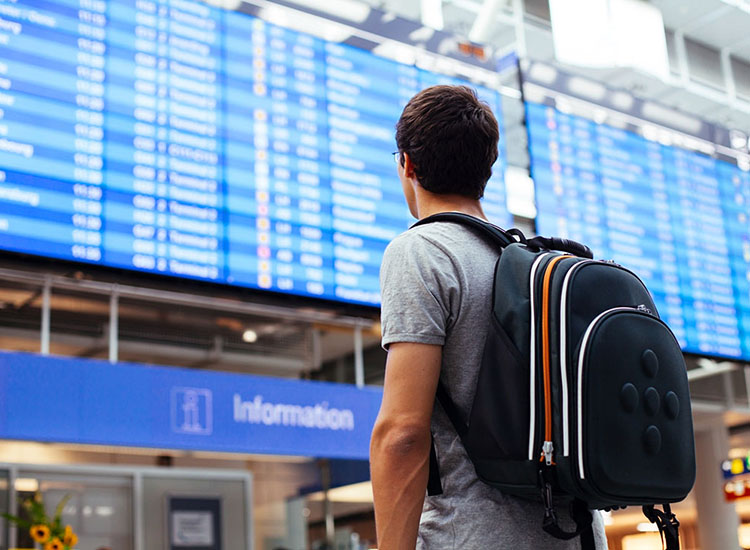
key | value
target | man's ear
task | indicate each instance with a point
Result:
(408, 167)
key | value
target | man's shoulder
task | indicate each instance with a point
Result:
(445, 236)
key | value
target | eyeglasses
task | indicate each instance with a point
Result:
(397, 157)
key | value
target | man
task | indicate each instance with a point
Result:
(436, 284)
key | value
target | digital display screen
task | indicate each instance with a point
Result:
(172, 137)
(679, 219)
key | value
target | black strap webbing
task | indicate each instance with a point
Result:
(451, 410)
(492, 231)
(666, 521)
(505, 237)
(579, 513)
(434, 486)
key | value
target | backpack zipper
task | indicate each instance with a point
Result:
(532, 353)
(547, 446)
(564, 339)
(564, 353)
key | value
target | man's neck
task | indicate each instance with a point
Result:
(431, 203)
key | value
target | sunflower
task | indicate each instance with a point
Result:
(70, 539)
(40, 533)
(54, 544)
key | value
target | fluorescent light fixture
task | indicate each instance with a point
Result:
(647, 527)
(249, 336)
(587, 88)
(346, 9)
(622, 100)
(738, 140)
(432, 13)
(545, 74)
(305, 22)
(225, 4)
(534, 93)
(563, 105)
(600, 115)
(422, 34)
(670, 117)
(397, 51)
(27, 485)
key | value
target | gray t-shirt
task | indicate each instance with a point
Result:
(436, 283)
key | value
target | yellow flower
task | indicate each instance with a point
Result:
(70, 539)
(40, 533)
(54, 544)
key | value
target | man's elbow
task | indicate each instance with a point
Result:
(400, 439)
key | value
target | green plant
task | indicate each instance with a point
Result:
(46, 531)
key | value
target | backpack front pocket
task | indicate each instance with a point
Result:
(632, 411)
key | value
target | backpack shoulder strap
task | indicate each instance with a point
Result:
(505, 237)
(495, 233)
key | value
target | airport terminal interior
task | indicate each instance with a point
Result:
(195, 197)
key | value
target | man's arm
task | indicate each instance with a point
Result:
(400, 445)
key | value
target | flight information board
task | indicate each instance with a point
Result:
(172, 137)
(678, 218)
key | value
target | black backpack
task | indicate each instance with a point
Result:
(582, 395)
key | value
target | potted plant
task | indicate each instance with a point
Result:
(47, 532)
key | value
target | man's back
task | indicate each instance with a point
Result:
(436, 281)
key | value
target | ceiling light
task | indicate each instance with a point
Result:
(543, 73)
(249, 336)
(586, 88)
(646, 527)
(345, 9)
(26, 485)
(306, 23)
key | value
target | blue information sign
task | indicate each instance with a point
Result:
(172, 137)
(94, 402)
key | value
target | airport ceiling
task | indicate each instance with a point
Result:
(716, 23)
(709, 26)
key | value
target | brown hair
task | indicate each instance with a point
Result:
(451, 138)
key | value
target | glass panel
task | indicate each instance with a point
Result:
(99, 509)
(4, 495)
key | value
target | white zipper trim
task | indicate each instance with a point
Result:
(564, 355)
(532, 357)
(581, 355)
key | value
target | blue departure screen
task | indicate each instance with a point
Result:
(678, 218)
(172, 137)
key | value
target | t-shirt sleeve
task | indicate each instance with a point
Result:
(419, 291)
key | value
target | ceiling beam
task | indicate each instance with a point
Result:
(486, 18)
(431, 13)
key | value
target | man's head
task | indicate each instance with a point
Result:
(451, 139)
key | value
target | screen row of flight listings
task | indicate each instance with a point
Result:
(173, 137)
(678, 218)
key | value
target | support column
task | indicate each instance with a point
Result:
(325, 477)
(114, 316)
(359, 358)
(717, 519)
(46, 314)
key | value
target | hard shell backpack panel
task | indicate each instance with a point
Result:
(582, 394)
